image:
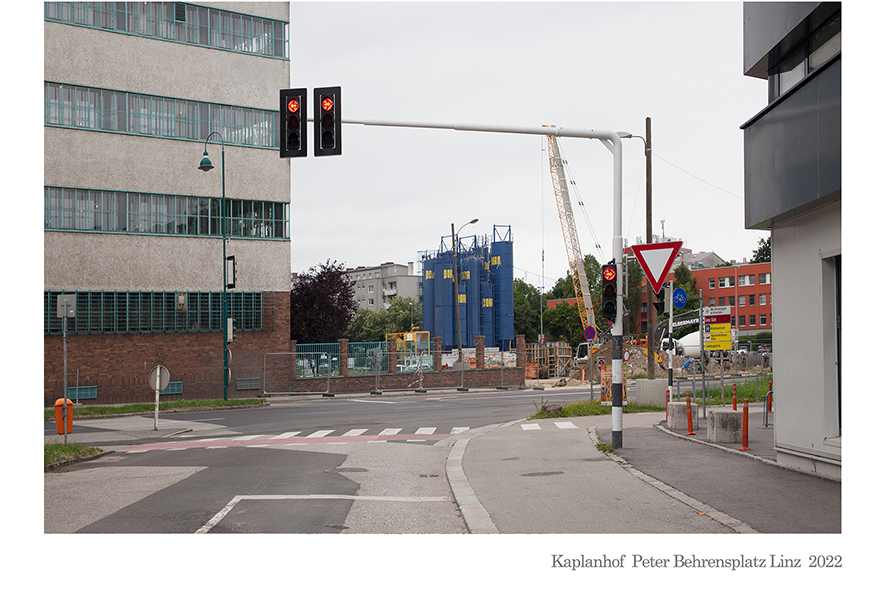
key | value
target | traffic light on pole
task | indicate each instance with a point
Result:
(327, 121)
(660, 303)
(293, 123)
(610, 291)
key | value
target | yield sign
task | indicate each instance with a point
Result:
(656, 260)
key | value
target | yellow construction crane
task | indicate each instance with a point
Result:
(570, 236)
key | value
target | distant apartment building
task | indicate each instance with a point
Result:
(375, 286)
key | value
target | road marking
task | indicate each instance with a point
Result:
(530, 427)
(228, 507)
(389, 431)
(355, 432)
(218, 447)
(565, 425)
(426, 430)
(248, 437)
(459, 429)
(372, 401)
(319, 434)
(287, 435)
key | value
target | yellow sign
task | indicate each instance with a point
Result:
(718, 336)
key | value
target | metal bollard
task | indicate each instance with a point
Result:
(744, 428)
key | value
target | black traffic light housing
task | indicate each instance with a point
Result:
(293, 123)
(659, 304)
(327, 121)
(610, 291)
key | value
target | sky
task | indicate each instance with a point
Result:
(395, 192)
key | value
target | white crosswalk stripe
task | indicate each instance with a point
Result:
(565, 425)
(426, 430)
(390, 431)
(458, 429)
(319, 434)
(530, 427)
(287, 435)
(355, 432)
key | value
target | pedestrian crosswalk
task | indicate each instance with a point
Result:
(295, 438)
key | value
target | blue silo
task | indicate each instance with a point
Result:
(501, 256)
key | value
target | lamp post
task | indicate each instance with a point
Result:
(455, 283)
(206, 165)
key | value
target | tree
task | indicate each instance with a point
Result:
(562, 324)
(527, 311)
(372, 326)
(322, 305)
(763, 253)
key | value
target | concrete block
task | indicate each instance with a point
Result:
(724, 426)
(677, 420)
(651, 392)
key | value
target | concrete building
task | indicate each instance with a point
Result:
(375, 286)
(793, 188)
(132, 228)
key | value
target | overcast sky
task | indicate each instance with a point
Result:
(395, 192)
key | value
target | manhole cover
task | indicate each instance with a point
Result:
(536, 474)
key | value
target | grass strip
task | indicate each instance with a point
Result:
(55, 453)
(181, 404)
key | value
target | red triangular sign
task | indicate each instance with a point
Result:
(656, 260)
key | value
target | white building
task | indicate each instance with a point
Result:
(375, 286)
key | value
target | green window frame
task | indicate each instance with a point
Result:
(108, 110)
(153, 312)
(179, 22)
(110, 211)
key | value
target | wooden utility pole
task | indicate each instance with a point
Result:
(650, 296)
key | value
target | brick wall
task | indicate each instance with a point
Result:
(118, 364)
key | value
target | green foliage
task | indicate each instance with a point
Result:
(563, 324)
(527, 309)
(55, 453)
(372, 326)
(763, 253)
(322, 304)
(181, 404)
(585, 408)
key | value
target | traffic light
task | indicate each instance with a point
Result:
(659, 304)
(293, 123)
(327, 121)
(610, 291)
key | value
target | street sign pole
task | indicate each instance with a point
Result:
(671, 346)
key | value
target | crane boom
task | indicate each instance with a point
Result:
(570, 236)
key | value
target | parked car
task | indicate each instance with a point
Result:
(765, 348)
(741, 350)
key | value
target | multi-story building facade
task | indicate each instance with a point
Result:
(375, 286)
(132, 229)
(793, 186)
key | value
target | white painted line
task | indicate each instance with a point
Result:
(416, 440)
(389, 431)
(255, 446)
(177, 449)
(248, 437)
(565, 425)
(228, 507)
(459, 429)
(355, 432)
(372, 401)
(287, 435)
(319, 434)
(218, 447)
(530, 427)
(426, 430)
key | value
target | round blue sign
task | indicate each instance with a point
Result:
(680, 298)
(590, 333)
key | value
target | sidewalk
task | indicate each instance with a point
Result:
(551, 478)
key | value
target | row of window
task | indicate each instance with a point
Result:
(135, 113)
(178, 21)
(153, 312)
(820, 46)
(68, 208)
(743, 300)
(747, 280)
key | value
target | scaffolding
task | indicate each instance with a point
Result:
(556, 357)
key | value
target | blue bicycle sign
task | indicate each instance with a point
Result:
(680, 298)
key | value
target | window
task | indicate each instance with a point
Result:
(766, 278)
(154, 312)
(741, 320)
(722, 301)
(752, 320)
(67, 208)
(751, 299)
(727, 282)
(711, 283)
(181, 22)
(732, 301)
(818, 47)
(741, 300)
(762, 299)
(746, 280)
(762, 319)
(134, 113)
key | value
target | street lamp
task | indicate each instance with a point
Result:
(455, 283)
(206, 165)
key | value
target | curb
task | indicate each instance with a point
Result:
(55, 466)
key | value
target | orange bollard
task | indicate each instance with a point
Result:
(667, 401)
(689, 414)
(59, 419)
(744, 428)
(734, 399)
(769, 398)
